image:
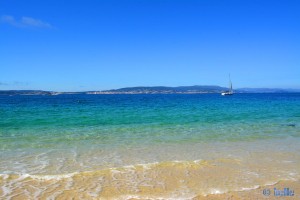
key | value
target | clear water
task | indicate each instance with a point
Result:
(65, 134)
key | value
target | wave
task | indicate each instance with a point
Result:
(166, 180)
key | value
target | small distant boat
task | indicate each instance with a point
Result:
(230, 92)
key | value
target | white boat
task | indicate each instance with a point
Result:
(230, 92)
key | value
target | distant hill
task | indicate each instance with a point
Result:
(35, 92)
(167, 90)
(266, 90)
(24, 92)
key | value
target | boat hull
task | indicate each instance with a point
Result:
(226, 93)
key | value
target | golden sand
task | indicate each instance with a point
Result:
(257, 193)
(214, 179)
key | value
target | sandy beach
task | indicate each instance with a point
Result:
(257, 193)
(111, 194)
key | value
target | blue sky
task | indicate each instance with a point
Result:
(95, 45)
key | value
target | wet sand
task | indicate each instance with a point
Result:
(215, 179)
(257, 193)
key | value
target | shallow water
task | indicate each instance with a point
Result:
(146, 146)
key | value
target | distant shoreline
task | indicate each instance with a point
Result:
(197, 89)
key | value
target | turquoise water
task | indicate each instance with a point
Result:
(34, 121)
(254, 139)
(32, 124)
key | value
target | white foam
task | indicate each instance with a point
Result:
(250, 188)
(216, 191)
(148, 165)
(4, 176)
(198, 161)
(53, 177)
(8, 187)
(6, 190)
(128, 197)
(271, 183)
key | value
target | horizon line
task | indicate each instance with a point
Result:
(47, 90)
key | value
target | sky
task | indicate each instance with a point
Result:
(105, 44)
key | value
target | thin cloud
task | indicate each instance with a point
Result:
(24, 22)
(15, 83)
(20, 83)
(1, 83)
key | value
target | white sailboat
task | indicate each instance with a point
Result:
(230, 92)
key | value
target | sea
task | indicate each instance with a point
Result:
(146, 146)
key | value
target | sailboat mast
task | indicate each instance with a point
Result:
(230, 84)
(229, 91)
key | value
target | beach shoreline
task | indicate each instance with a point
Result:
(257, 193)
(197, 180)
